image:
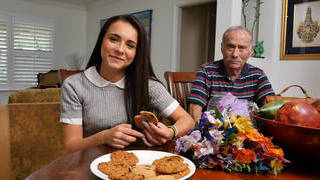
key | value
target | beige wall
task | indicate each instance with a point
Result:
(194, 48)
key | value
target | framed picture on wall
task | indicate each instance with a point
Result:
(300, 34)
(144, 16)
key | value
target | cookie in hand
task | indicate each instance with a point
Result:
(145, 116)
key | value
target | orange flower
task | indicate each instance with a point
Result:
(276, 152)
(254, 135)
(245, 155)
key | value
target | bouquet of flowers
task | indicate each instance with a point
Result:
(230, 141)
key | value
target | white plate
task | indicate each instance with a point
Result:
(145, 157)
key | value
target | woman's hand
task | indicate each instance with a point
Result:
(120, 136)
(156, 134)
(160, 134)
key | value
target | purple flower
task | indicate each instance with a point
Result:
(240, 107)
(232, 105)
(185, 142)
(226, 101)
(217, 136)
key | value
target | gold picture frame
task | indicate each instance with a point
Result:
(300, 33)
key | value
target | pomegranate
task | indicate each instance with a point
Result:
(316, 105)
(299, 113)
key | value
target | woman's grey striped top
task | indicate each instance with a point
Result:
(89, 100)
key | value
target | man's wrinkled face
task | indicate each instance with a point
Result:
(236, 49)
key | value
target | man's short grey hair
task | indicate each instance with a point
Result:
(236, 28)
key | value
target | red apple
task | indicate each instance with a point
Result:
(299, 113)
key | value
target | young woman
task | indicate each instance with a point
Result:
(98, 105)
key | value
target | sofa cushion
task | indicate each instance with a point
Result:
(35, 96)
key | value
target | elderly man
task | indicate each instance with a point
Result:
(231, 74)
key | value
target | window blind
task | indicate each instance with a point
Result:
(33, 48)
(27, 50)
(32, 37)
(3, 51)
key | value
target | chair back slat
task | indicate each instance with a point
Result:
(179, 85)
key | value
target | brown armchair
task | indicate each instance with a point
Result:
(4, 143)
(36, 136)
(179, 85)
(48, 80)
(35, 133)
(66, 73)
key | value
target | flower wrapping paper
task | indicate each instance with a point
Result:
(226, 138)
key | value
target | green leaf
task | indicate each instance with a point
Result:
(196, 126)
(229, 138)
(249, 168)
(217, 112)
(243, 165)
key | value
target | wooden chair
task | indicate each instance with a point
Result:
(66, 73)
(179, 85)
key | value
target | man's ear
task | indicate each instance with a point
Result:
(251, 53)
(251, 50)
(222, 47)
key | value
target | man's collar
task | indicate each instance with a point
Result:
(94, 77)
(245, 69)
(222, 69)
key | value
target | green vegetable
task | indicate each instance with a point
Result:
(269, 110)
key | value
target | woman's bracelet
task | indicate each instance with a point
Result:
(175, 132)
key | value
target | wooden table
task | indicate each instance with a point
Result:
(75, 166)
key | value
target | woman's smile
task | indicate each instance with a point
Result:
(116, 58)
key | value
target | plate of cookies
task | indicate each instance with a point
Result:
(142, 164)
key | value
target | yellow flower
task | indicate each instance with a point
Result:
(233, 118)
(276, 166)
(243, 124)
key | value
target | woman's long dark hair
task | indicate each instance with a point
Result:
(138, 73)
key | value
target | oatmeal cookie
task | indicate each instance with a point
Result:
(144, 169)
(113, 170)
(181, 173)
(161, 177)
(145, 116)
(170, 164)
(124, 157)
(132, 176)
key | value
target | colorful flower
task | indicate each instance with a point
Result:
(229, 140)
(184, 143)
(276, 166)
(245, 155)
